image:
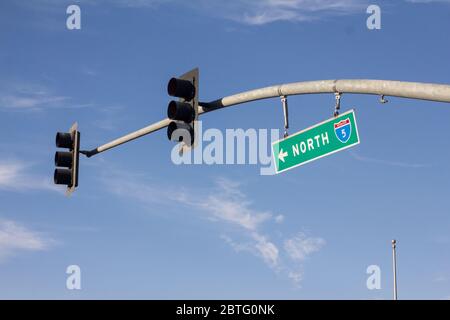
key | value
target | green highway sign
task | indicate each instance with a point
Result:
(318, 141)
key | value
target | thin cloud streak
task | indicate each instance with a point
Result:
(247, 12)
(30, 97)
(428, 1)
(227, 205)
(387, 162)
(15, 175)
(16, 237)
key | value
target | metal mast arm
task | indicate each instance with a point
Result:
(411, 90)
(131, 136)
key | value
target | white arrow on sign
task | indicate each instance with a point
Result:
(282, 155)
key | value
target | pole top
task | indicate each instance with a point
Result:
(394, 242)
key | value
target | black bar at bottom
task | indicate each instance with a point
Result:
(230, 309)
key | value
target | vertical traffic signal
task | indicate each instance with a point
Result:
(184, 112)
(66, 162)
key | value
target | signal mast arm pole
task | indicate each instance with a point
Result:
(411, 90)
(129, 137)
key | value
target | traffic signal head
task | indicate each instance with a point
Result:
(184, 112)
(66, 162)
(184, 132)
(64, 140)
(63, 159)
(63, 176)
(181, 88)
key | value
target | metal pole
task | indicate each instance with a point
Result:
(129, 137)
(394, 266)
(412, 90)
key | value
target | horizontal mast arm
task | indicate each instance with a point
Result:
(411, 90)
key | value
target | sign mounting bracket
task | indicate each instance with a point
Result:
(285, 114)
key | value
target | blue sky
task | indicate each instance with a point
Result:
(141, 227)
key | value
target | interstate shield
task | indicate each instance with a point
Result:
(343, 130)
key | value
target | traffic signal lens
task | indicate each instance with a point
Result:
(64, 140)
(63, 176)
(181, 89)
(63, 159)
(180, 132)
(181, 111)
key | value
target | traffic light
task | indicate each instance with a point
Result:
(66, 162)
(184, 112)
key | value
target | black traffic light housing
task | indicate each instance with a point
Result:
(184, 112)
(66, 162)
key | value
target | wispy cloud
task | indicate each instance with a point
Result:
(30, 101)
(248, 12)
(441, 279)
(298, 249)
(301, 246)
(232, 206)
(89, 71)
(109, 117)
(428, 1)
(140, 3)
(260, 12)
(16, 237)
(15, 175)
(441, 239)
(388, 162)
(227, 205)
(31, 97)
(267, 11)
(279, 218)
